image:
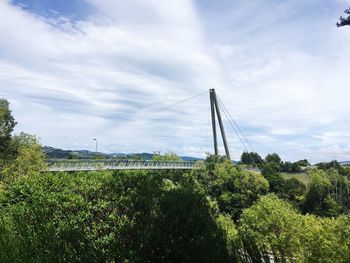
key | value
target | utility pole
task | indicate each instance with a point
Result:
(96, 146)
(215, 108)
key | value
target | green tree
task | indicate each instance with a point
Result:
(212, 161)
(290, 167)
(325, 239)
(347, 171)
(270, 228)
(20, 155)
(344, 21)
(231, 235)
(273, 158)
(251, 158)
(126, 216)
(294, 191)
(7, 124)
(271, 171)
(166, 157)
(329, 165)
(318, 199)
(235, 189)
(29, 157)
(333, 165)
(304, 162)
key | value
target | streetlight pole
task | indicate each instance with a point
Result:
(96, 147)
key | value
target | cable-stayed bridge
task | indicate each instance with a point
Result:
(216, 106)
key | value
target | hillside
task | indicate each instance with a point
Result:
(56, 153)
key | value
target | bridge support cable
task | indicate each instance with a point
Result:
(161, 109)
(238, 131)
(239, 136)
(180, 101)
(231, 123)
(214, 105)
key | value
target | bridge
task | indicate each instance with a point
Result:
(110, 164)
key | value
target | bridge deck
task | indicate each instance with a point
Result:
(97, 165)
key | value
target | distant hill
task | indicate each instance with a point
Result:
(56, 153)
(190, 158)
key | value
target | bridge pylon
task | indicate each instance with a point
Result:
(214, 106)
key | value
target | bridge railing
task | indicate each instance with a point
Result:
(108, 164)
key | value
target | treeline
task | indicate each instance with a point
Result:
(327, 192)
(254, 159)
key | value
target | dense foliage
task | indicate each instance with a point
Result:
(254, 159)
(20, 155)
(109, 217)
(251, 158)
(273, 229)
(160, 217)
(7, 124)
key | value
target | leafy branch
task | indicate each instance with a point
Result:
(344, 21)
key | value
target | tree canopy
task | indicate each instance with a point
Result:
(7, 124)
(273, 158)
(20, 155)
(251, 158)
(166, 157)
(344, 21)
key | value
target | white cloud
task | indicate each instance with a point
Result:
(282, 76)
(100, 79)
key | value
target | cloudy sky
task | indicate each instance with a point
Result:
(115, 70)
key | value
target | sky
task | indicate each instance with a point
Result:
(123, 72)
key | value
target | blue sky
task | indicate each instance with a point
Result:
(107, 69)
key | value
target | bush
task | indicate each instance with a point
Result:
(272, 230)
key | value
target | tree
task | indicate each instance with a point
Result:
(7, 124)
(294, 190)
(304, 162)
(318, 199)
(271, 171)
(270, 228)
(166, 157)
(211, 162)
(344, 21)
(250, 158)
(273, 158)
(332, 164)
(235, 190)
(20, 155)
(232, 238)
(29, 157)
(126, 216)
(290, 167)
(325, 239)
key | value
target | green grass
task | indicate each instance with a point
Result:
(302, 177)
